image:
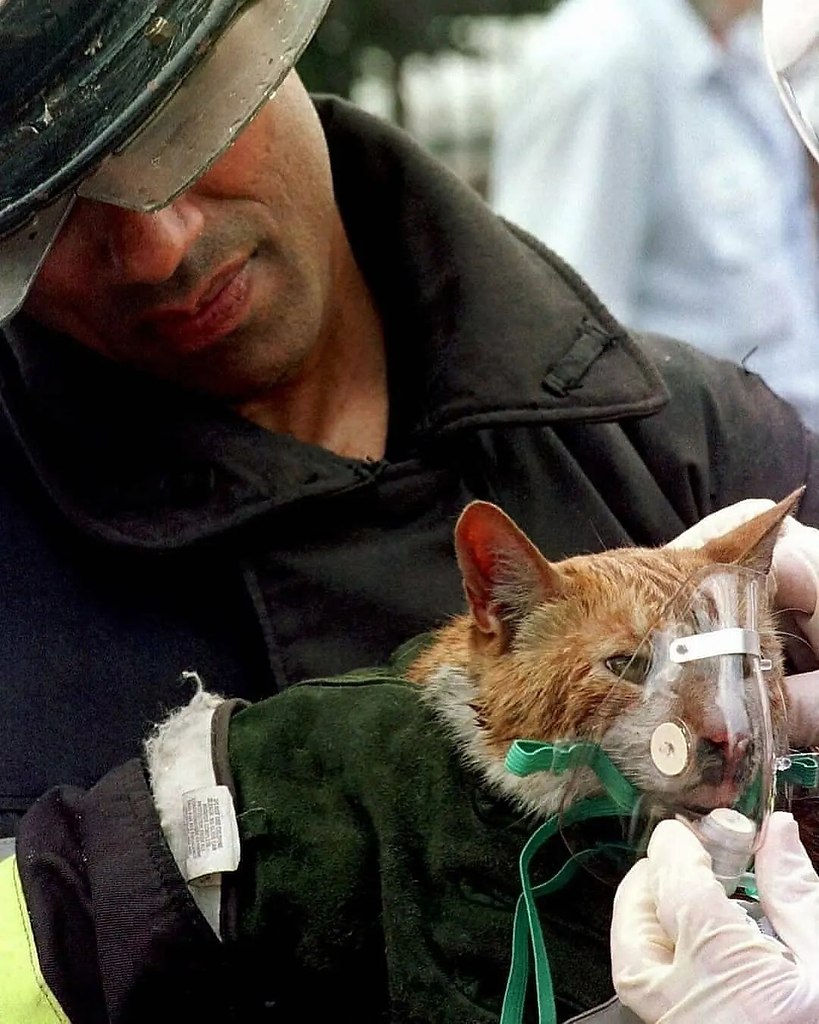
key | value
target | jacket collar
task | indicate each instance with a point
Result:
(484, 327)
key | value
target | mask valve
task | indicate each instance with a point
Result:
(729, 837)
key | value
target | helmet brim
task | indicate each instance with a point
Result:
(91, 106)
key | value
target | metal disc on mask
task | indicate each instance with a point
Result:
(669, 748)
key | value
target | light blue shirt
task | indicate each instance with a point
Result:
(663, 168)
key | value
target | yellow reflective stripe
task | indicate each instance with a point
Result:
(24, 995)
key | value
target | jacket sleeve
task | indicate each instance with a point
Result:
(96, 919)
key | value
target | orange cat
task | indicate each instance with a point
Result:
(554, 651)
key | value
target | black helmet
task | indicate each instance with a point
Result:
(126, 102)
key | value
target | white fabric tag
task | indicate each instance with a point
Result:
(212, 834)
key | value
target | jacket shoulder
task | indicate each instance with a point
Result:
(725, 427)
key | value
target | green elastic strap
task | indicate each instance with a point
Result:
(525, 757)
(528, 756)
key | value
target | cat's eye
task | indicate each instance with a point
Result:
(631, 667)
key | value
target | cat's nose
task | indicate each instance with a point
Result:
(723, 756)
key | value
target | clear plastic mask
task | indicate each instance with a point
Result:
(791, 31)
(695, 725)
(189, 133)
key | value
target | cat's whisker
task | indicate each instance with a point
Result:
(791, 611)
(783, 635)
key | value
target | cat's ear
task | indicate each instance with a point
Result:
(751, 544)
(503, 572)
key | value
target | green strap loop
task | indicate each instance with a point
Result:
(525, 757)
(527, 931)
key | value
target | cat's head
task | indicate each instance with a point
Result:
(564, 650)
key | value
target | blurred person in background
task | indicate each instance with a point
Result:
(645, 143)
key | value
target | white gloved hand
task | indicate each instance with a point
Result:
(683, 953)
(796, 577)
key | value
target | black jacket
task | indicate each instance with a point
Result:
(146, 531)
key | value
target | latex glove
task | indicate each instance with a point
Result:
(683, 953)
(796, 576)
